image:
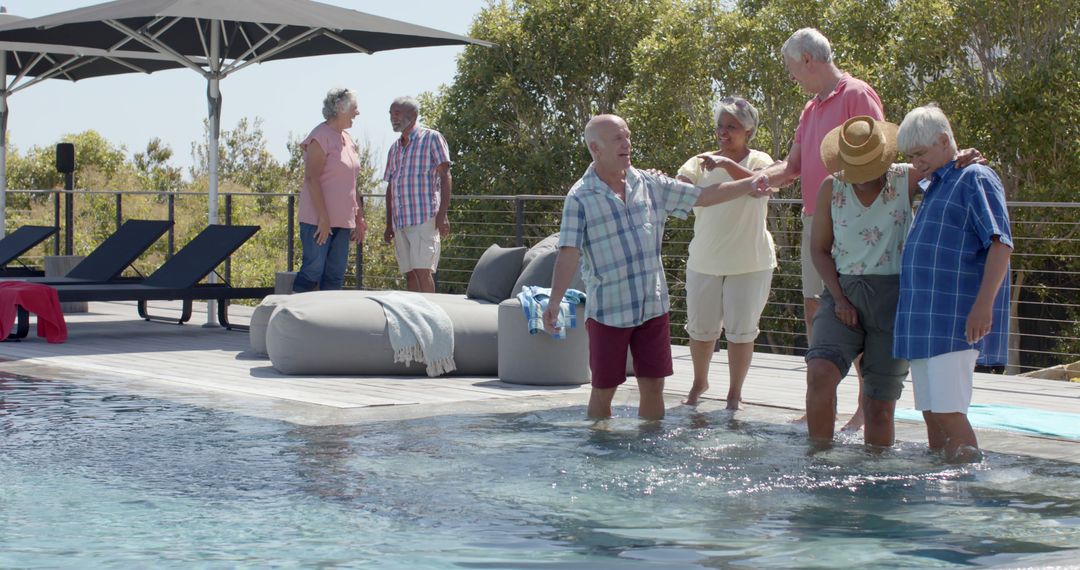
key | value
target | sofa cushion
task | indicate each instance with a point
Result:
(540, 265)
(493, 277)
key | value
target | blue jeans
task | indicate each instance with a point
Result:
(323, 266)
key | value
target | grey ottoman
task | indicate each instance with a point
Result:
(260, 318)
(539, 359)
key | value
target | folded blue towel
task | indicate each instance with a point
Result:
(534, 301)
(1015, 418)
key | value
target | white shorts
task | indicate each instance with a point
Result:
(812, 283)
(942, 383)
(417, 247)
(732, 303)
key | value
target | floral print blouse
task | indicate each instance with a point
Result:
(868, 240)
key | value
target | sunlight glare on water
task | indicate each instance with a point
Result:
(98, 479)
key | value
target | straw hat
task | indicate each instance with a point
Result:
(860, 150)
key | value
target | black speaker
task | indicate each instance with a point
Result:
(65, 158)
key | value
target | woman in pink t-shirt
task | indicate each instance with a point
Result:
(330, 216)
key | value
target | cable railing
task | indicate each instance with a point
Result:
(1045, 326)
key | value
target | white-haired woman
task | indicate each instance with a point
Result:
(330, 215)
(731, 258)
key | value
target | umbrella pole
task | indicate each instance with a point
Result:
(213, 96)
(3, 143)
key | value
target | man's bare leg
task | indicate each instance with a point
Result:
(810, 306)
(935, 435)
(961, 446)
(600, 403)
(651, 405)
(421, 280)
(701, 353)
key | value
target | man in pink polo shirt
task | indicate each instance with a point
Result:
(837, 97)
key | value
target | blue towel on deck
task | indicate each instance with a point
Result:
(534, 301)
(1015, 418)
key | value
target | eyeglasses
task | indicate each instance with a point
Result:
(737, 101)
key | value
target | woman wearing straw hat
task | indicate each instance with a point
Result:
(731, 259)
(864, 212)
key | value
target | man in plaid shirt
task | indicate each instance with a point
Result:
(417, 195)
(954, 286)
(613, 224)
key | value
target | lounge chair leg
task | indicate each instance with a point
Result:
(223, 317)
(185, 313)
(22, 328)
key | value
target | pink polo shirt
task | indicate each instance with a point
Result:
(337, 180)
(851, 97)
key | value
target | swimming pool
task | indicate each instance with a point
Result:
(95, 479)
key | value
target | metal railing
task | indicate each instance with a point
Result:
(1045, 328)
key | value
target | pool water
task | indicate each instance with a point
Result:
(94, 479)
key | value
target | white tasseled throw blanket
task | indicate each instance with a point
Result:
(419, 331)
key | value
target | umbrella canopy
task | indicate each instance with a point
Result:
(30, 63)
(217, 38)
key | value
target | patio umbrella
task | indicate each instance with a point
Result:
(216, 38)
(31, 63)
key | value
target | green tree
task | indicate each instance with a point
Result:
(155, 172)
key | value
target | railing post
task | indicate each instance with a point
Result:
(172, 224)
(228, 222)
(119, 208)
(56, 222)
(519, 220)
(360, 265)
(291, 232)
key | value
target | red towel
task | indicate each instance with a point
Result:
(38, 299)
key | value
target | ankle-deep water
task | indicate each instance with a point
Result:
(93, 479)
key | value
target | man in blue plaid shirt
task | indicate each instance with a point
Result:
(954, 286)
(613, 224)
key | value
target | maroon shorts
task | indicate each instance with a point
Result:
(649, 344)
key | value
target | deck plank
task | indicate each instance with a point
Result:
(110, 346)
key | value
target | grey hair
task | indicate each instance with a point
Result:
(808, 41)
(408, 103)
(741, 109)
(337, 101)
(922, 127)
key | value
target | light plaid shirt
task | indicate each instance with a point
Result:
(410, 172)
(620, 243)
(942, 266)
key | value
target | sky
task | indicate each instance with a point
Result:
(132, 109)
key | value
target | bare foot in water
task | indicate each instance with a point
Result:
(856, 422)
(799, 420)
(733, 404)
(692, 399)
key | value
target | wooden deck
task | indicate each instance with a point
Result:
(111, 349)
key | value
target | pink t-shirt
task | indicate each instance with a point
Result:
(851, 97)
(337, 180)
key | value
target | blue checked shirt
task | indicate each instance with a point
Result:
(942, 265)
(620, 243)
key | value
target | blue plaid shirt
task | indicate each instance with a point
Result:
(942, 266)
(620, 243)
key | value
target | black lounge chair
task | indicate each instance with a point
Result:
(19, 242)
(176, 280)
(112, 256)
